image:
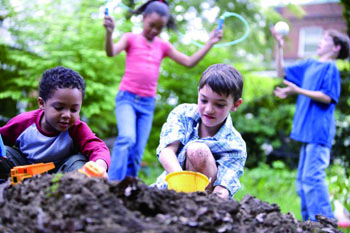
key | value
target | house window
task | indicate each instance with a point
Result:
(308, 40)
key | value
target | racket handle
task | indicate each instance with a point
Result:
(221, 22)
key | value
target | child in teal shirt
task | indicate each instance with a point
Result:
(317, 84)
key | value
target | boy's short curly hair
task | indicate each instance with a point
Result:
(342, 40)
(60, 77)
(223, 79)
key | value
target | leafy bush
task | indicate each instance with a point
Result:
(39, 43)
(342, 138)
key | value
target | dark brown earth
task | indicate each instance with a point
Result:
(75, 203)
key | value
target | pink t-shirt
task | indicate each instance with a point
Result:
(143, 60)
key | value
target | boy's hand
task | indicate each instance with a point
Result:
(290, 89)
(104, 165)
(108, 23)
(221, 192)
(279, 38)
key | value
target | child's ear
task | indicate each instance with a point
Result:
(336, 49)
(41, 103)
(236, 105)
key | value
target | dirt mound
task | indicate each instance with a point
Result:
(75, 203)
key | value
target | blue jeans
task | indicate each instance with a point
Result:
(311, 185)
(134, 121)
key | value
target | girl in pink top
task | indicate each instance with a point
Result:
(135, 100)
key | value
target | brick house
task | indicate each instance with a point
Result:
(306, 32)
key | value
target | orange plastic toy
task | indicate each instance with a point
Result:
(20, 173)
(92, 169)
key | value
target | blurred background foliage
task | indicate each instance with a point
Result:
(38, 35)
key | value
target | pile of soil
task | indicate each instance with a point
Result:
(76, 203)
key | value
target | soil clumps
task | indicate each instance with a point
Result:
(76, 203)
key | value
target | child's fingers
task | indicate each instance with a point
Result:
(280, 94)
(219, 33)
(272, 30)
(108, 23)
(285, 82)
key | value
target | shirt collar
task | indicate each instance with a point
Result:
(225, 129)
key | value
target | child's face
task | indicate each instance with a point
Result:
(214, 108)
(326, 46)
(153, 24)
(62, 110)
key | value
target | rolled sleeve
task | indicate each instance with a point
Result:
(230, 169)
(174, 129)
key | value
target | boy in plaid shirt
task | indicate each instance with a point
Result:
(200, 137)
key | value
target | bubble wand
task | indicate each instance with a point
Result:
(221, 23)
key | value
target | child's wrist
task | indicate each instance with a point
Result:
(102, 163)
(210, 43)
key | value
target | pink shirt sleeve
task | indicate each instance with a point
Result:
(166, 48)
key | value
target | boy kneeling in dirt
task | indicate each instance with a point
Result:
(54, 132)
(201, 138)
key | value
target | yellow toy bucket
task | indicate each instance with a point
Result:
(187, 181)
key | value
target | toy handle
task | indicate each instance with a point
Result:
(106, 11)
(221, 22)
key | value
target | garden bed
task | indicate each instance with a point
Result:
(75, 203)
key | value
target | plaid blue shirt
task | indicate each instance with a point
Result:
(227, 146)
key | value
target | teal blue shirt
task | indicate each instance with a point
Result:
(314, 121)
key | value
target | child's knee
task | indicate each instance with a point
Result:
(198, 153)
(73, 163)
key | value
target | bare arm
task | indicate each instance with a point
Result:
(168, 159)
(191, 61)
(291, 89)
(279, 53)
(111, 48)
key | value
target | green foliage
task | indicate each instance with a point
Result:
(339, 183)
(298, 11)
(59, 32)
(54, 186)
(342, 138)
(346, 13)
(264, 121)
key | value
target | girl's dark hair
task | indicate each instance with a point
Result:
(223, 79)
(160, 7)
(59, 77)
(342, 40)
